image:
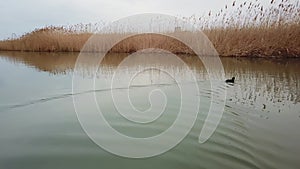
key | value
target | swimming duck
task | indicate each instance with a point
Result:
(230, 80)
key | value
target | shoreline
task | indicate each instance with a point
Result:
(295, 56)
(282, 41)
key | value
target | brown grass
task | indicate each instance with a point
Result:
(256, 41)
(246, 29)
(49, 39)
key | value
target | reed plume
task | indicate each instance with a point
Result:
(245, 29)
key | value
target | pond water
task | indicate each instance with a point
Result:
(39, 126)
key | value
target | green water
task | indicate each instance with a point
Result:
(39, 127)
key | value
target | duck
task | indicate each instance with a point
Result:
(230, 80)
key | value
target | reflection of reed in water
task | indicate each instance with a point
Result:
(265, 84)
(262, 83)
(158, 63)
(63, 63)
(54, 63)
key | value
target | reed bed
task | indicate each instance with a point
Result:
(241, 29)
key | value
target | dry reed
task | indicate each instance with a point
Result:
(245, 29)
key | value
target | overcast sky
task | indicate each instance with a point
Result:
(20, 16)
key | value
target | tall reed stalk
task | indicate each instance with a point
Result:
(245, 29)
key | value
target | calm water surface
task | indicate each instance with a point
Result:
(39, 128)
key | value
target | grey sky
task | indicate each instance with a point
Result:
(18, 16)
